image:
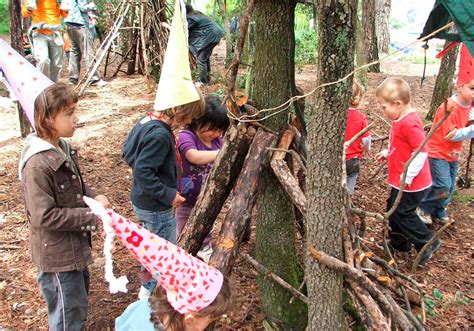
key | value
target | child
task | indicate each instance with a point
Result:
(445, 146)
(59, 221)
(198, 146)
(356, 121)
(150, 149)
(191, 293)
(406, 135)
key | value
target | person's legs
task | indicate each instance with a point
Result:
(182, 215)
(65, 294)
(56, 52)
(204, 64)
(75, 54)
(406, 227)
(41, 53)
(439, 194)
(161, 223)
(89, 52)
(352, 170)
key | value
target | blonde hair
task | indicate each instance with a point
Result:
(48, 104)
(161, 309)
(393, 89)
(358, 92)
(191, 110)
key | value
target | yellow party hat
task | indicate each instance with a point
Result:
(176, 86)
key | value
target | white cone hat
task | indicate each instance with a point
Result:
(26, 80)
(176, 86)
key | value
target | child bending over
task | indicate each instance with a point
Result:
(198, 146)
(60, 223)
(356, 121)
(406, 227)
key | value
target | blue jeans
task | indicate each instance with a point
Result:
(443, 174)
(161, 223)
(65, 294)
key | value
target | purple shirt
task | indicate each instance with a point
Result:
(193, 176)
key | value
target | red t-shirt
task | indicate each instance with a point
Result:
(440, 148)
(356, 121)
(405, 137)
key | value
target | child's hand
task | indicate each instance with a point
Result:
(178, 200)
(103, 200)
(381, 156)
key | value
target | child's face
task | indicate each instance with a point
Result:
(466, 92)
(65, 121)
(391, 109)
(208, 136)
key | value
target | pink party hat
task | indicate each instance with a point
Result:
(190, 284)
(466, 66)
(27, 82)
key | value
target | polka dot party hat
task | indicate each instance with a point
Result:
(26, 81)
(190, 284)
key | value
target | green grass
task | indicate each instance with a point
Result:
(418, 59)
(459, 197)
(4, 24)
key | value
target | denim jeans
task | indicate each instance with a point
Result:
(443, 174)
(65, 294)
(352, 170)
(161, 223)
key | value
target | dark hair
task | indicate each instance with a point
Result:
(162, 310)
(48, 104)
(189, 9)
(214, 118)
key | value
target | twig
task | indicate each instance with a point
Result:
(429, 244)
(357, 136)
(264, 270)
(296, 156)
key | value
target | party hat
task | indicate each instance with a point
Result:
(466, 66)
(176, 86)
(27, 82)
(190, 284)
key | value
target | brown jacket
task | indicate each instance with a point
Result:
(59, 221)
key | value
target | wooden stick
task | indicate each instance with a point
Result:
(264, 270)
(144, 53)
(378, 321)
(429, 244)
(357, 136)
(245, 191)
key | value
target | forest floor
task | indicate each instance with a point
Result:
(107, 114)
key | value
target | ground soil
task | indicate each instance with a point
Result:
(106, 116)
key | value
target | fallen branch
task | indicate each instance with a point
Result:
(429, 244)
(262, 269)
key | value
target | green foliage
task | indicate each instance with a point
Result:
(459, 197)
(233, 7)
(444, 301)
(305, 36)
(4, 23)
(418, 59)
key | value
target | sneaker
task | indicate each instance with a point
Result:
(428, 254)
(144, 293)
(424, 216)
(205, 253)
(441, 220)
(99, 83)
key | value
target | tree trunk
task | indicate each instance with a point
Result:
(382, 24)
(361, 52)
(16, 38)
(132, 39)
(324, 220)
(444, 80)
(275, 243)
(234, 224)
(228, 37)
(213, 195)
(370, 38)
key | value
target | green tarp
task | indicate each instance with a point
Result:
(459, 11)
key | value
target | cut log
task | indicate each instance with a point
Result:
(245, 191)
(377, 320)
(214, 193)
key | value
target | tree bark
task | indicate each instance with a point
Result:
(327, 119)
(361, 52)
(213, 195)
(16, 40)
(370, 37)
(382, 24)
(275, 243)
(243, 199)
(444, 81)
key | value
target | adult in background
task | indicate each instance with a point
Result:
(204, 35)
(82, 40)
(45, 37)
